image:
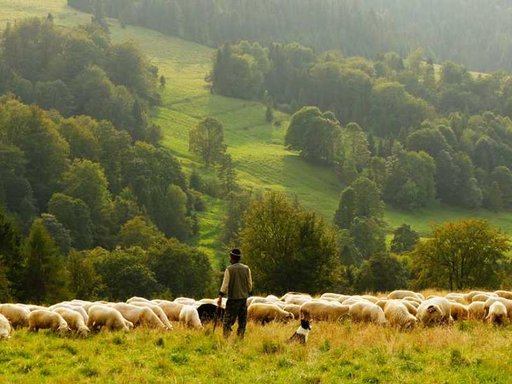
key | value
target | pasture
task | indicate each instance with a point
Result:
(467, 352)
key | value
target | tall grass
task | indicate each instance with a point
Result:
(335, 353)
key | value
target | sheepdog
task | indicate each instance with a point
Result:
(301, 334)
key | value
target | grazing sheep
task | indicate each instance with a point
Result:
(320, 310)
(482, 297)
(334, 297)
(185, 300)
(16, 314)
(137, 299)
(469, 296)
(74, 319)
(476, 310)
(397, 314)
(411, 306)
(354, 299)
(504, 294)
(257, 300)
(506, 302)
(294, 309)
(45, 319)
(402, 293)
(189, 316)
(459, 311)
(297, 299)
(75, 308)
(265, 313)
(171, 309)
(497, 314)
(436, 310)
(102, 316)
(457, 297)
(139, 316)
(371, 298)
(157, 310)
(5, 328)
(367, 312)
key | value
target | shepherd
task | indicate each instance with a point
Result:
(237, 286)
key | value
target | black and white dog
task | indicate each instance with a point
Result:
(301, 334)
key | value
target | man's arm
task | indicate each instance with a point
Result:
(250, 282)
(224, 287)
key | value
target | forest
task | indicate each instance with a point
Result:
(457, 30)
(87, 184)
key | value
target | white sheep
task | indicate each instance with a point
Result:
(264, 313)
(497, 314)
(364, 311)
(16, 314)
(5, 328)
(397, 314)
(190, 317)
(436, 310)
(45, 319)
(102, 316)
(139, 316)
(74, 319)
(319, 310)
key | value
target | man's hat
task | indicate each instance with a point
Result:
(235, 253)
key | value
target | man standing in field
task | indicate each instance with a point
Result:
(237, 286)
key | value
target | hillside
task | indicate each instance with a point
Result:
(256, 146)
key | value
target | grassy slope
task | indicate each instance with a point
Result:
(335, 353)
(256, 147)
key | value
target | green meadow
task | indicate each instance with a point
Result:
(468, 352)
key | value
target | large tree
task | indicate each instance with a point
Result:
(288, 248)
(461, 255)
(207, 141)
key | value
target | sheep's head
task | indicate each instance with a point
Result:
(83, 331)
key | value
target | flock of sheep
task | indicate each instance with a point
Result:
(401, 309)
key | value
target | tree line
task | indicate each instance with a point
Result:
(357, 28)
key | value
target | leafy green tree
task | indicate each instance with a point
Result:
(174, 221)
(410, 182)
(393, 109)
(380, 273)
(15, 189)
(237, 204)
(58, 233)
(315, 134)
(45, 151)
(125, 273)
(404, 239)
(139, 232)
(207, 141)
(355, 146)
(361, 199)
(461, 255)
(181, 269)
(84, 281)
(368, 235)
(280, 239)
(86, 180)
(45, 280)
(503, 177)
(75, 215)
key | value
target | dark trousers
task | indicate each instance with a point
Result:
(235, 309)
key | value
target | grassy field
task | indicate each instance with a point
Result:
(336, 353)
(259, 157)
